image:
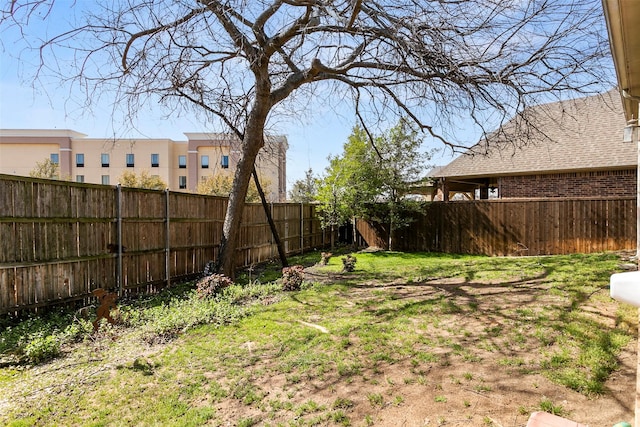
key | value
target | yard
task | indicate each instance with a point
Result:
(404, 340)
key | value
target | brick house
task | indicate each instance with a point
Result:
(578, 153)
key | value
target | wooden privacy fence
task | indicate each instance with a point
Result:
(514, 227)
(61, 240)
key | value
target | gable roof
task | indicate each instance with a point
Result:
(577, 135)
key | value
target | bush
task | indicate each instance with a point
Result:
(40, 338)
(349, 263)
(292, 278)
(41, 348)
(208, 286)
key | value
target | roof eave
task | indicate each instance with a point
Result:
(623, 20)
(538, 172)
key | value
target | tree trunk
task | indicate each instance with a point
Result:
(355, 233)
(392, 225)
(333, 239)
(272, 225)
(251, 144)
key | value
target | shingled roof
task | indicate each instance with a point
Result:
(578, 135)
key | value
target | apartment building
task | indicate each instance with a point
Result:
(181, 164)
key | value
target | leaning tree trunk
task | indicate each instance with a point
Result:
(272, 225)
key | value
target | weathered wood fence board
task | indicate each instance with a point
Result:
(515, 227)
(59, 240)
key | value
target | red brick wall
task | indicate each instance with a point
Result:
(580, 184)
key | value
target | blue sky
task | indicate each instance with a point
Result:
(47, 104)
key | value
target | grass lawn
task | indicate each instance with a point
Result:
(405, 339)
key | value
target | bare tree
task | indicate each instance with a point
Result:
(439, 63)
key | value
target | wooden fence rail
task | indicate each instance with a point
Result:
(60, 240)
(514, 227)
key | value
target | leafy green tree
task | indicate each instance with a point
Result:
(350, 181)
(144, 180)
(401, 164)
(370, 179)
(305, 190)
(46, 169)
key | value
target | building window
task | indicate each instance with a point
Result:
(224, 162)
(80, 160)
(55, 158)
(182, 162)
(105, 179)
(182, 182)
(204, 162)
(104, 160)
(79, 178)
(155, 160)
(130, 160)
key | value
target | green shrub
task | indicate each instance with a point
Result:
(41, 347)
(37, 339)
(292, 278)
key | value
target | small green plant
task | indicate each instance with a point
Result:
(340, 418)
(209, 285)
(247, 422)
(342, 403)
(309, 407)
(349, 263)
(440, 399)
(375, 399)
(41, 348)
(548, 406)
(247, 393)
(482, 387)
(292, 278)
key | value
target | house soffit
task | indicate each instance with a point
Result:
(623, 21)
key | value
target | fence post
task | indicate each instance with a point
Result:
(301, 228)
(119, 238)
(167, 240)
